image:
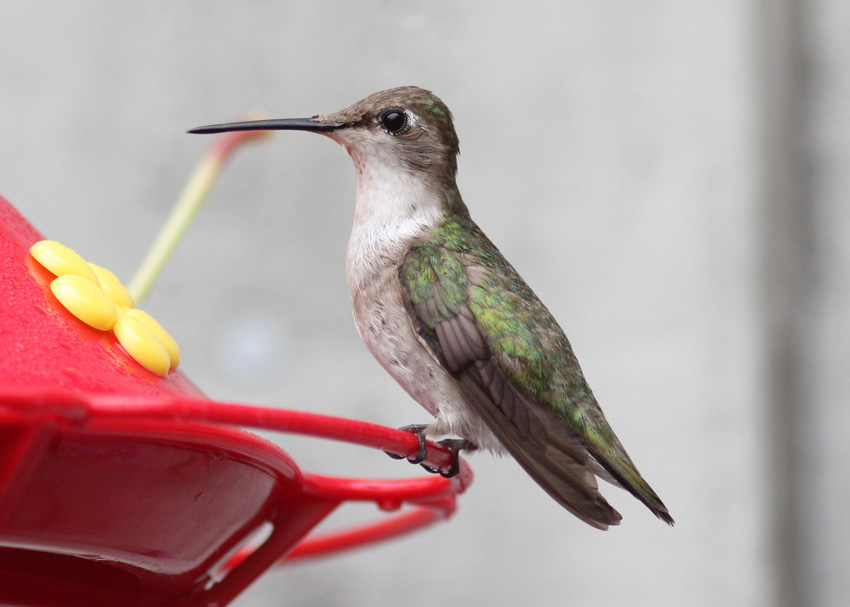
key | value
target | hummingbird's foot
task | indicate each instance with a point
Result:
(455, 445)
(418, 430)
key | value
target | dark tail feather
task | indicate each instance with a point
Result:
(627, 476)
(562, 468)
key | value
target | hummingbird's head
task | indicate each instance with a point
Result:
(405, 129)
(406, 126)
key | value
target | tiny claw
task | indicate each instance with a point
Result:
(418, 430)
(455, 445)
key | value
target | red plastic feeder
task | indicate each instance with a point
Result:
(121, 487)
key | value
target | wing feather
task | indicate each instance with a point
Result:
(516, 370)
(549, 450)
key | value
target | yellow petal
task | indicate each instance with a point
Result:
(61, 260)
(85, 300)
(141, 343)
(161, 334)
(112, 286)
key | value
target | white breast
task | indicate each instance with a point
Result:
(392, 211)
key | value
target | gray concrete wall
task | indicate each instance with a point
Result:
(670, 177)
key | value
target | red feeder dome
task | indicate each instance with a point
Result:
(119, 486)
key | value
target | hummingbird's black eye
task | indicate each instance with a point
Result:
(394, 121)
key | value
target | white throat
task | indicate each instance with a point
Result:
(392, 209)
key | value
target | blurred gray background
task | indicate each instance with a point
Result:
(671, 178)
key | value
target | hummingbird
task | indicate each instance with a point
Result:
(452, 321)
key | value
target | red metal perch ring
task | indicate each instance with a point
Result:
(433, 497)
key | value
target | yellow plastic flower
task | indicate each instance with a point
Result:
(96, 296)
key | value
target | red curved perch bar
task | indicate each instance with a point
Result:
(120, 487)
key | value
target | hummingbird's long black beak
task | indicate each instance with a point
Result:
(282, 124)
